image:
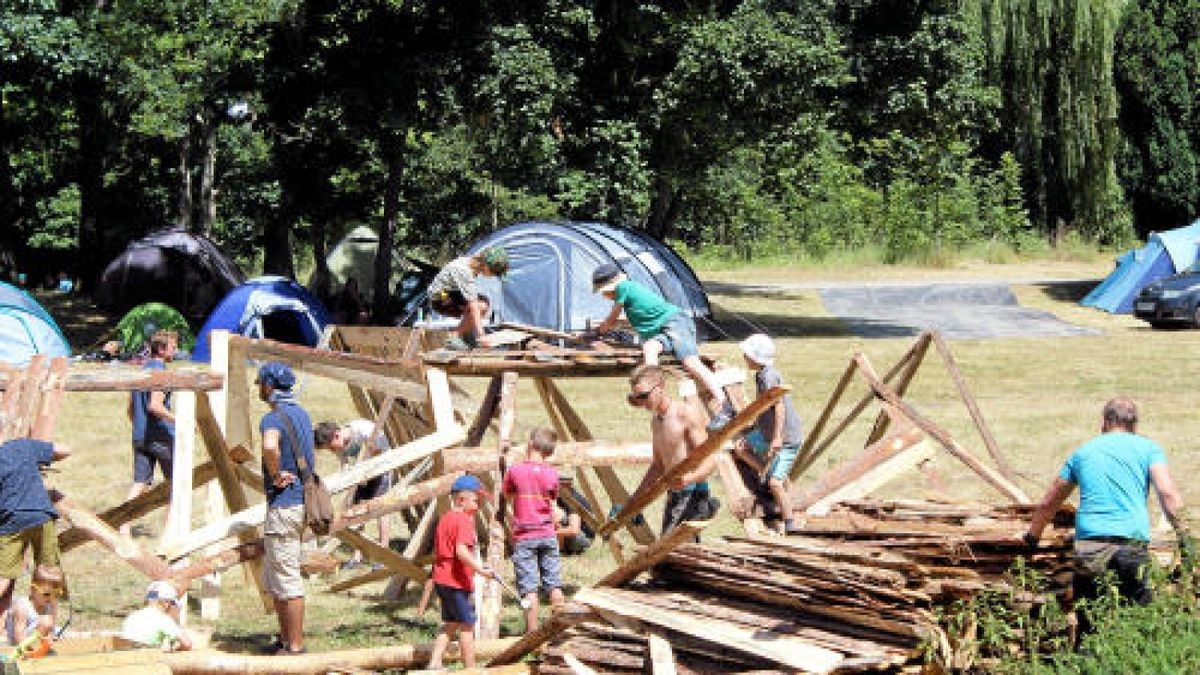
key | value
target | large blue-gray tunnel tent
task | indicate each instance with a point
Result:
(549, 283)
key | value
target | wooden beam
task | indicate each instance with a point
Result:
(395, 562)
(695, 458)
(893, 465)
(179, 514)
(253, 516)
(125, 547)
(778, 647)
(130, 378)
(562, 618)
(990, 475)
(219, 562)
(661, 656)
(400, 497)
(653, 554)
(968, 400)
(915, 357)
(490, 596)
(854, 468)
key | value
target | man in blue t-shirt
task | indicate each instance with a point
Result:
(286, 430)
(1114, 472)
(26, 513)
(153, 422)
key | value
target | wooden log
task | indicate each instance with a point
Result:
(852, 469)
(395, 500)
(369, 658)
(777, 647)
(990, 475)
(52, 392)
(892, 465)
(968, 400)
(130, 378)
(219, 562)
(913, 360)
(155, 497)
(125, 547)
(698, 456)
(652, 554)
(490, 597)
(560, 620)
(567, 455)
(253, 516)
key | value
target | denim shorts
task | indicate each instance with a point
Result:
(458, 605)
(782, 463)
(536, 564)
(678, 335)
(146, 455)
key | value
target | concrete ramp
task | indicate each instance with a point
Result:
(983, 310)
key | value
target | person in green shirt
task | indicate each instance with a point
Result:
(663, 327)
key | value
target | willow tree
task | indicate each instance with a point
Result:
(1053, 59)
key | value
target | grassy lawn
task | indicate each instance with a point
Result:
(1042, 397)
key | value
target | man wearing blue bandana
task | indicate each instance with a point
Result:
(286, 430)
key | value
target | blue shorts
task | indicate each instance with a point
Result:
(678, 336)
(146, 455)
(458, 606)
(536, 564)
(782, 463)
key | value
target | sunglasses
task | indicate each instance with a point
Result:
(636, 397)
(53, 591)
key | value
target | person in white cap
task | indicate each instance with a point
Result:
(772, 443)
(157, 624)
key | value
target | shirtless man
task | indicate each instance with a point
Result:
(677, 429)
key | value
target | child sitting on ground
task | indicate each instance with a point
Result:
(662, 327)
(772, 444)
(157, 624)
(37, 612)
(454, 567)
(532, 488)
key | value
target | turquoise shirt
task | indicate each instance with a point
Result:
(1113, 475)
(646, 310)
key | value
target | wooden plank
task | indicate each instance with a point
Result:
(490, 595)
(990, 475)
(562, 618)
(661, 656)
(237, 427)
(395, 562)
(179, 515)
(698, 456)
(210, 586)
(776, 647)
(854, 468)
(362, 580)
(253, 516)
(879, 475)
(125, 547)
(653, 554)
(440, 403)
(968, 399)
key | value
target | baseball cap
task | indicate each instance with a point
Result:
(759, 348)
(469, 483)
(606, 277)
(276, 375)
(161, 590)
(496, 260)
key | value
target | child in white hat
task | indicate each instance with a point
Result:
(772, 443)
(157, 624)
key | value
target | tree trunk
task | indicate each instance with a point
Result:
(387, 237)
(90, 169)
(184, 204)
(322, 283)
(207, 207)
(277, 243)
(8, 193)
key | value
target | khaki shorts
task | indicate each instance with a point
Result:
(282, 552)
(41, 538)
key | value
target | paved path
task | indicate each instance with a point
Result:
(967, 309)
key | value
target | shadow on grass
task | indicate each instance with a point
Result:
(82, 322)
(1067, 291)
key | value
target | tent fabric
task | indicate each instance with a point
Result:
(354, 256)
(549, 282)
(1164, 254)
(27, 329)
(266, 307)
(141, 322)
(177, 268)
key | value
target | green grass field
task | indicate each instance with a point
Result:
(1041, 397)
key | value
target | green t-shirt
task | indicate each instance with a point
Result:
(646, 310)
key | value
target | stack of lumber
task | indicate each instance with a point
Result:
(861, 590)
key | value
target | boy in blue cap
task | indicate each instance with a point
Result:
(454, 568)
(662, 327)
(286, 433)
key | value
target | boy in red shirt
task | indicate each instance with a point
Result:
(532, 488)
(454, 568)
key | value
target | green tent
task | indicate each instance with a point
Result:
(142, 321)
(354, 256)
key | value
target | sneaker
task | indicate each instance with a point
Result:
(455, 343)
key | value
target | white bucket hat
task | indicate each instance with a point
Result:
(162, 590)
(759, 348)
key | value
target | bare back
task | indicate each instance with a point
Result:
(675, 433)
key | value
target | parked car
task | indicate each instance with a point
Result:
(1174, 300)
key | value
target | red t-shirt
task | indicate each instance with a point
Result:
(455, 528)
(532, 487)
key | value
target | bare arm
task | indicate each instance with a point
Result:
(610, 320)
(1055, 496)
(157, 406)
(467, 557)
(695, 436)
(271, 457)
(652, 473)
(1168, 497)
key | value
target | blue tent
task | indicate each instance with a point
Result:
(26, 328)
(1164, 254)
(267, 307)
(549, 282)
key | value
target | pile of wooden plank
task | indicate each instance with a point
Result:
(861, 590)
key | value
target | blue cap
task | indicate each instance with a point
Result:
(276, 375)
(467, 483)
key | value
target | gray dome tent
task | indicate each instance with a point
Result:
(549, 282)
